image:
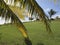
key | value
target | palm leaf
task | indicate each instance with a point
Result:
(18, 11)
(6, 12)
(41, 13)
(34, 7)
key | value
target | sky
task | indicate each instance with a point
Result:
(46, 5)
(50, 4)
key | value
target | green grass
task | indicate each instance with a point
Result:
(10, 35)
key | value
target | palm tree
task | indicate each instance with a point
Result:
(7, 13)
(51, 13)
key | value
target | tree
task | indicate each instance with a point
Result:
(6, 12)
(51, 13)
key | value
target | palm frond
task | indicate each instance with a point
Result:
(34, 7)
(18, 11)
(6, 12)
(41, 13)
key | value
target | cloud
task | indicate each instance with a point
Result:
(47, 9)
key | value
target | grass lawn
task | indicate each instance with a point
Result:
(10, 35)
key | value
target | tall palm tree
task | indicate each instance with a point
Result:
(7, 13)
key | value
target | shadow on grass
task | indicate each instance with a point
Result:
(0, 36)
(40, 44)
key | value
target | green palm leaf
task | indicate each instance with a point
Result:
(34, 7)
(6, 12)
(41, 13)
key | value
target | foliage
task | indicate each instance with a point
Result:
(32, 6)
(7, 13)
(52, 12)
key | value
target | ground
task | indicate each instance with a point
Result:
(10, 35)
